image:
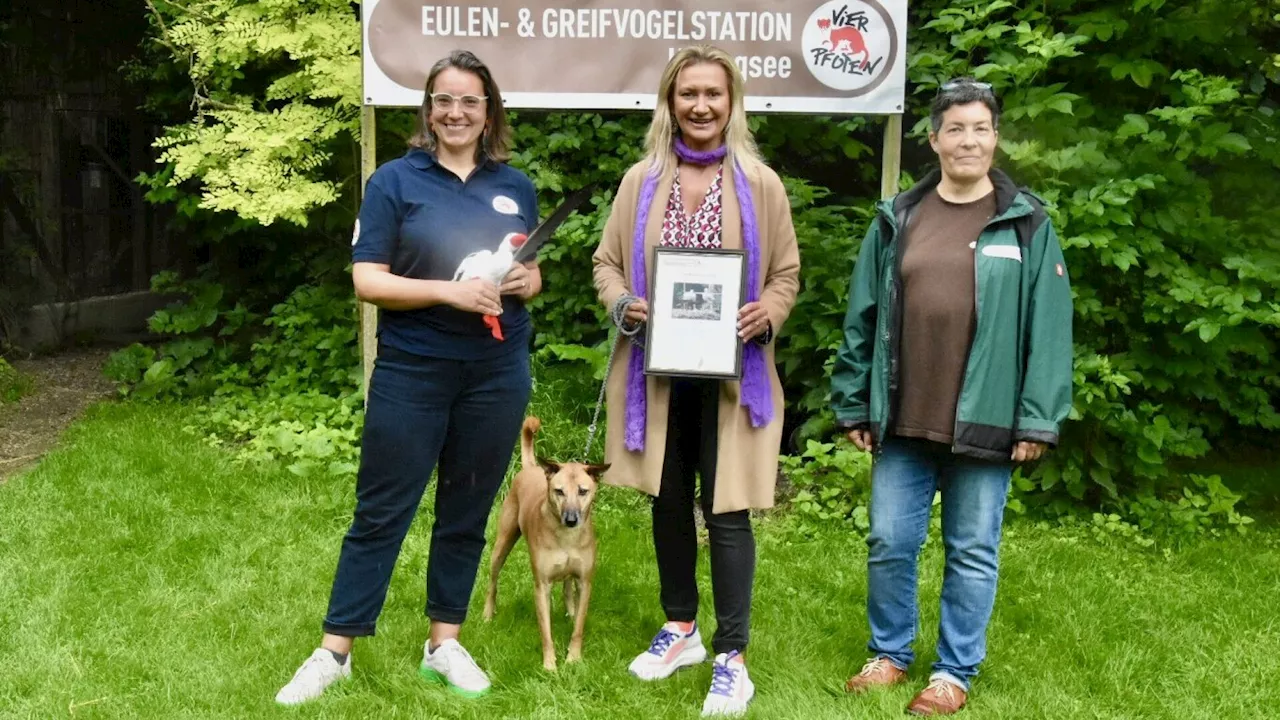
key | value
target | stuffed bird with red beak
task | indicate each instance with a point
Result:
(491, 266)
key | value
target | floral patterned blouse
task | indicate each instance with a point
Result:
(700, 230)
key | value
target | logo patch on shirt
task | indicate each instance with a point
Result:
(355, 236)
(1058, 269)
(1012, 252)
(505, 205)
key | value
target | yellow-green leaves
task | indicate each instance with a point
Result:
(276, 85)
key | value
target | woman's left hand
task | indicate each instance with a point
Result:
(753, 320)
(518, 282)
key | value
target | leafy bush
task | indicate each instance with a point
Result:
(13, 384)
(283, 386)
(1153, 176)
(830, 482)
(312, 432)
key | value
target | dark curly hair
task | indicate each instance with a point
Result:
(962, 91)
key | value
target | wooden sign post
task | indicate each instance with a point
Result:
(368, 311)
(891, 159)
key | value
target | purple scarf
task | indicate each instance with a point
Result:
(755, 393)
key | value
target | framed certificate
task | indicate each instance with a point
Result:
(694, 296)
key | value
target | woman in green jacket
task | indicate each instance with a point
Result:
(956, 364)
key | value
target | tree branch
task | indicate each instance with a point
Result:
(164, 30)
(200, 100)
(203, 101)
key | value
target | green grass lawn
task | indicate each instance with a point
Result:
(145, 575)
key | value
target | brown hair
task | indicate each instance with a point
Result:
(495, 143)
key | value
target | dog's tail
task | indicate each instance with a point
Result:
(528, 458)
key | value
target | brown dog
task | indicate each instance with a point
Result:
(550, 504)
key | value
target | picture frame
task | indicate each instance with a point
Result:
(694, 297)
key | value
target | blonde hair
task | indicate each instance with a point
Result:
(741, 147)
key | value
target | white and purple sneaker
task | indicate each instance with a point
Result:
(670, 650)
(731, 688)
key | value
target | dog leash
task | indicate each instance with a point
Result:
(618, 313)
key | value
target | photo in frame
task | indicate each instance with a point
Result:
(694, 296)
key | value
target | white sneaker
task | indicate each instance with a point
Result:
(669, 651)
(316, 674)
(731, 688)
(452, 665)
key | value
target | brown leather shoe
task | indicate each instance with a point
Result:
(942, 697)
(878, 672)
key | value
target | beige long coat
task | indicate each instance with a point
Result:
(747, 457)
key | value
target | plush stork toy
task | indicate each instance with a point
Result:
(491, 266)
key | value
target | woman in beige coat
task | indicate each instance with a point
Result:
(701, 184)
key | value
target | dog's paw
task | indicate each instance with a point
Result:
(549, 665)
(573, 657)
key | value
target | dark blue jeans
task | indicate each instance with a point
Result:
(465, 415)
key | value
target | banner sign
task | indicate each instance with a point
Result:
(824, 56)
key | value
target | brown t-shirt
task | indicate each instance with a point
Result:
(938, 312)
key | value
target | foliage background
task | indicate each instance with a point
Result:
(1150, 128)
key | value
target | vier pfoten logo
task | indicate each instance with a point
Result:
(850, 45)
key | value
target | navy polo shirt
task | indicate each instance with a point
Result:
(422, 220)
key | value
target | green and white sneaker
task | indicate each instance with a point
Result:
(315, 676)
(452, 665)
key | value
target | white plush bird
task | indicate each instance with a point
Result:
(491, 266)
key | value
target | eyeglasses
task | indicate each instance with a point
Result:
(952, 85)
(445, 101)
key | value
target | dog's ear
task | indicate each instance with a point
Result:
(548, 466)
(596, 471)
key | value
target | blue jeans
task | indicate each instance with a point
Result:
(904, 477)
(464, 414)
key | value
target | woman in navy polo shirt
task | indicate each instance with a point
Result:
(446, 393)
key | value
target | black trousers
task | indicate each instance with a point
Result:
(690, 452)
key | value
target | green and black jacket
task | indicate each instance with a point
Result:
(1017, 380)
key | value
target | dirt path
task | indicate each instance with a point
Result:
(65, 384)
